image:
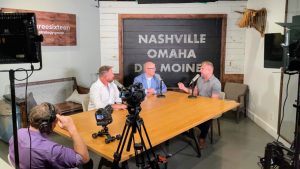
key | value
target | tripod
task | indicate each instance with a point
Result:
(135, 123)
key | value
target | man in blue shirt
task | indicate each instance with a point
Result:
(36, 150)
(150, 80)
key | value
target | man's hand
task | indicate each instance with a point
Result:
(150, 91)
(182, 87)
(66, 123)
(119, 106)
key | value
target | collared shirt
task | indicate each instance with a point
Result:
(148, 82)
(44, 152)
(101, 95)
(209, 87)
(155, 83)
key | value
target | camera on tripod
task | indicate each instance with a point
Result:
(133, 95)
(104, 118)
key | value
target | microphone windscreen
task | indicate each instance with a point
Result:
(194, 79)
(119, 85)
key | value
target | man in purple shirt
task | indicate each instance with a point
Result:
(37, 151)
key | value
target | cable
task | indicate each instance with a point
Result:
(281, 120)
(27, 76)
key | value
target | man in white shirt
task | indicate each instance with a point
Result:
(104, 92)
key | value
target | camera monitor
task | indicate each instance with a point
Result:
(19, 40)
(273, 52)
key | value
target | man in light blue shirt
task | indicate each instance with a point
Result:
(150, 80)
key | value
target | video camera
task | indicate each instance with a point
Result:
(103, 116)
(133, 95)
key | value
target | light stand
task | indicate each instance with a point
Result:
(13, 109)
(297, 128)
(160, 95)
(20, 44)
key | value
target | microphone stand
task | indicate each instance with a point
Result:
(192, 96)
(160, 95)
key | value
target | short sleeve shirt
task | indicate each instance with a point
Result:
(209, 87)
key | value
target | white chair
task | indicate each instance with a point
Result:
(9, 161)
(222, 97)
(85, 103)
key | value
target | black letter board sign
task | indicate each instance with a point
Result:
(177, 44)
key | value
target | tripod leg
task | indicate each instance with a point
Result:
(131, 136)
(118, 153)
(155, 162)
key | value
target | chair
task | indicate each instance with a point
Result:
(85, 103)
(222, 97)
(9, 161)
(239, 93)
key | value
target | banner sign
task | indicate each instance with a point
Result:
(176, 45)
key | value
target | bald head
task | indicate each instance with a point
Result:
(149, 69)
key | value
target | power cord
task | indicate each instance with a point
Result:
(281, 120)
(27, 76)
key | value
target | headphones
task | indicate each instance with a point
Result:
(46, 124)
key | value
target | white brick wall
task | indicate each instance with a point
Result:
(235, 40)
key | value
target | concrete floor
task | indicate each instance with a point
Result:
(238, 148)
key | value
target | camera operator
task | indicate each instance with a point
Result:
(150, 80)
(37, 151)
(209, 86)
(104, 92)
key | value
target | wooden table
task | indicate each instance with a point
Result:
(164, 119)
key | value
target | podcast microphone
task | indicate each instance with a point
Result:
(160, 95)
(194, 79)
(119, 85)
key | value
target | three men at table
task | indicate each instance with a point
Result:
(209, 86)
(104, 92)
